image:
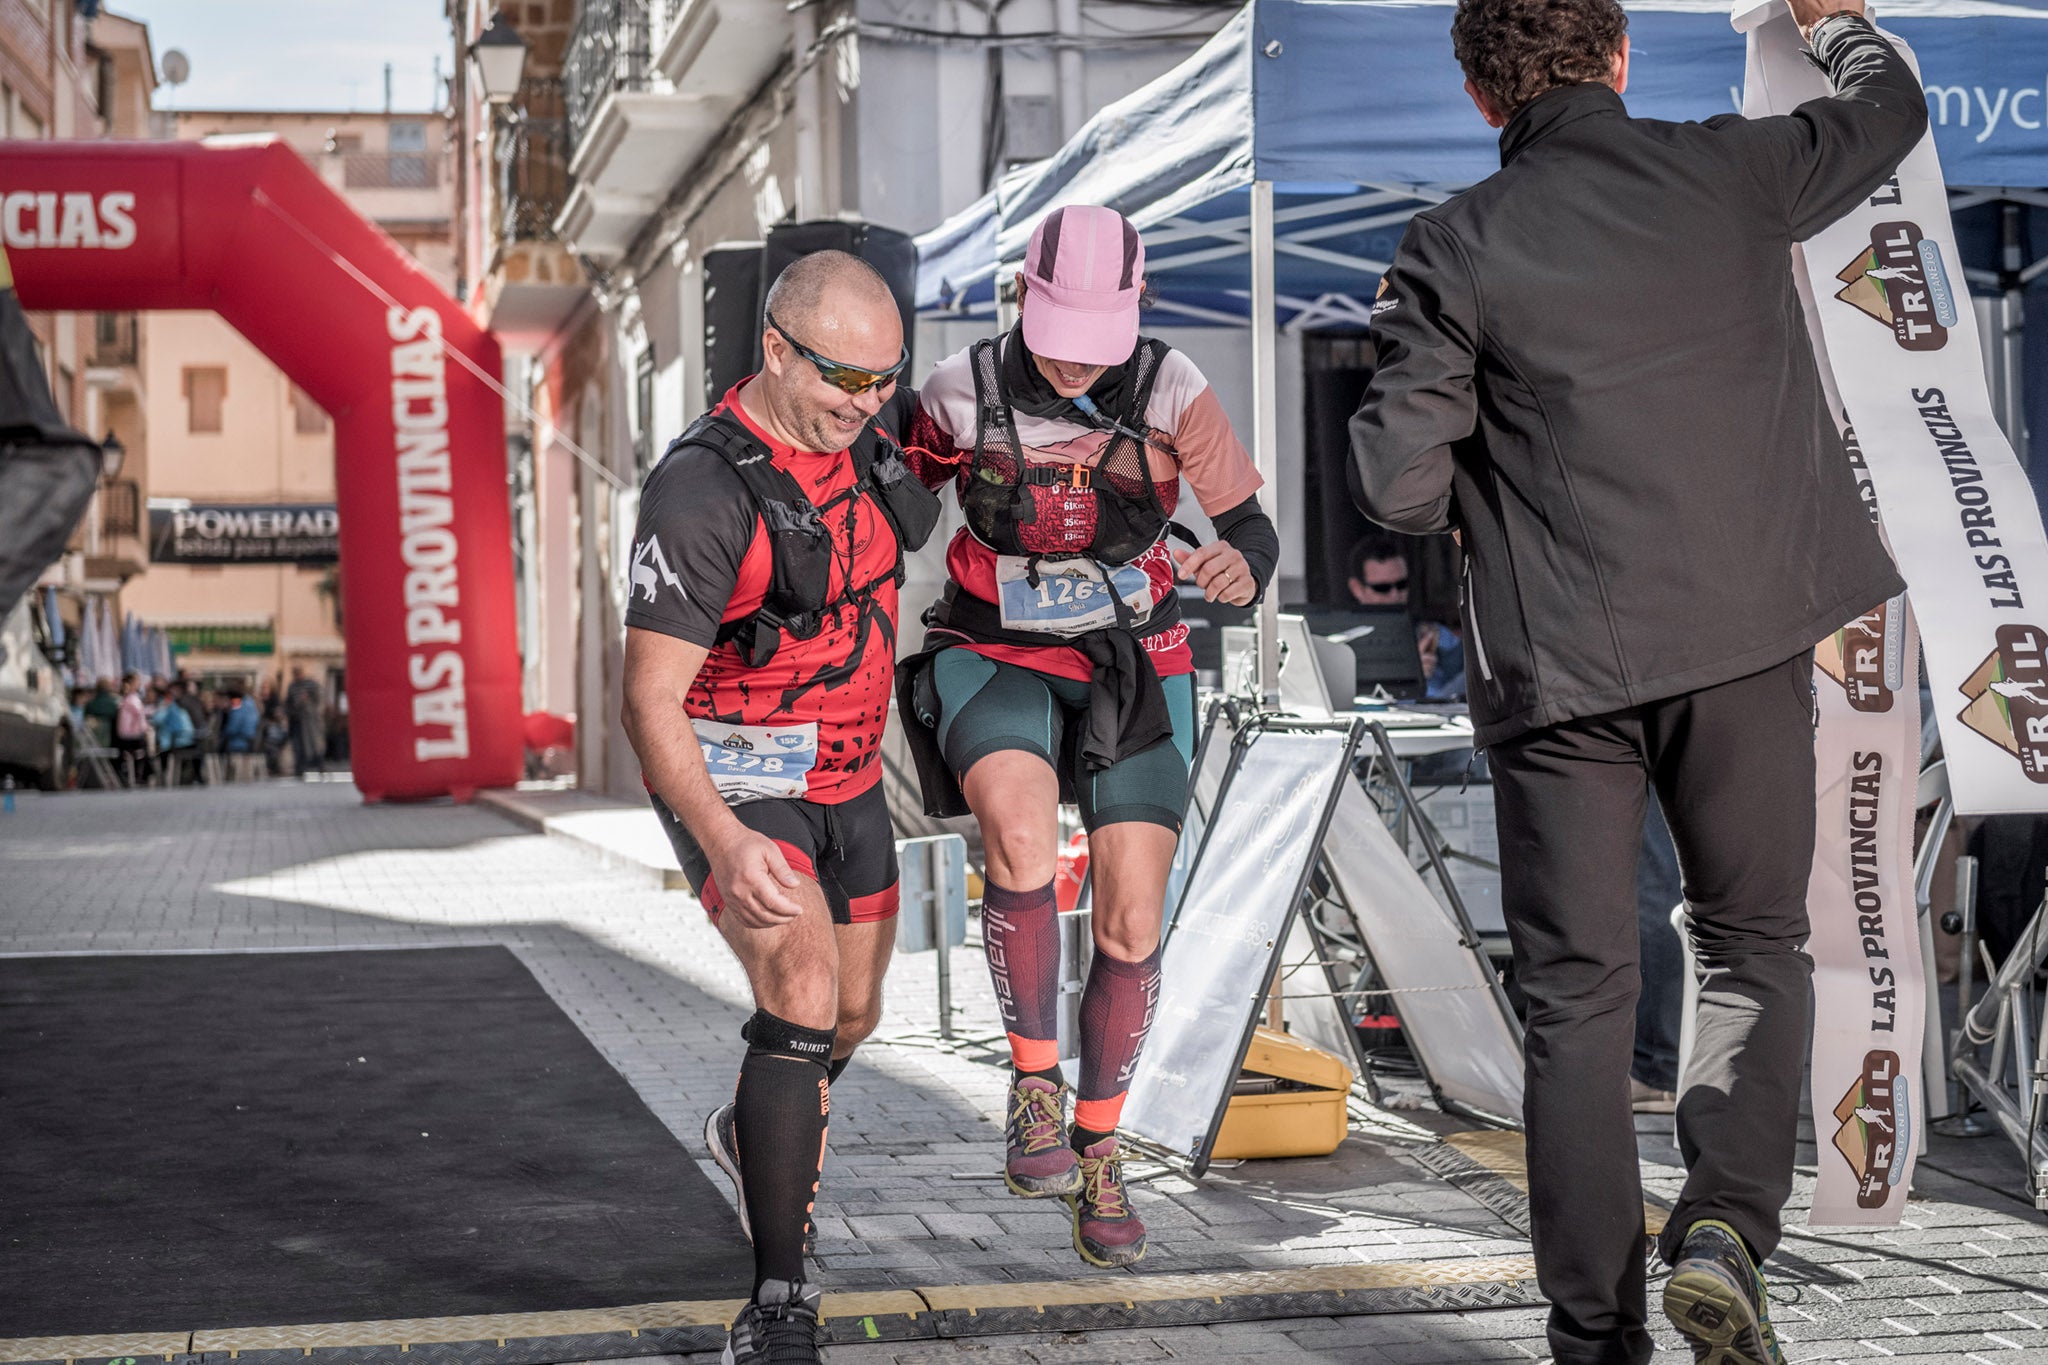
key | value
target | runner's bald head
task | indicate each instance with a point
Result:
(839, 305)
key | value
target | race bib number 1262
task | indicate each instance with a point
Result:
(1071, 596)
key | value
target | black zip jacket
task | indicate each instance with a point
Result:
(1595, 366)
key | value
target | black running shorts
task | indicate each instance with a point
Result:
(848, 848)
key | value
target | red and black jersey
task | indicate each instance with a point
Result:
(701, 558)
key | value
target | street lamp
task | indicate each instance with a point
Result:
(500, 56)
(112, 452)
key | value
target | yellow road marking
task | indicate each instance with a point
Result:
(1134, 1289)
(1505, 1153)
(1125, 1290)
(166, 1344)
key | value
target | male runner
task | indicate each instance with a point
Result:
(759, 646)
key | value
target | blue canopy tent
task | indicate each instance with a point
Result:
(1353, 111)
(1274, 170)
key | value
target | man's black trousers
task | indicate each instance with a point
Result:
(1732, 767)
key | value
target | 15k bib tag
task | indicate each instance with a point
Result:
(750, 762)
(1071, 597)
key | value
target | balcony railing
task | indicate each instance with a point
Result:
(533, 162)
(120, 508)
(114, 339)
(390, 170)
(611, 49)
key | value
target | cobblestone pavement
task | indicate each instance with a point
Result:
(909, 1193)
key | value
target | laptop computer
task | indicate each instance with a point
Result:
(1383, 639)
(1304, 681)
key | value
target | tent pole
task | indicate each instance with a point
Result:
(2011, 314)
(1266, 422)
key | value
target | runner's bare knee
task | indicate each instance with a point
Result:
(793, 967)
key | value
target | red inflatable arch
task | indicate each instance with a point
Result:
(252, 233)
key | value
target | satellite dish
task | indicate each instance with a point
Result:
(177, 68)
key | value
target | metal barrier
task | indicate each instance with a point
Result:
(932, 874)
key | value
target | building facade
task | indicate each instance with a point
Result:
(688, 124)
(73, 70)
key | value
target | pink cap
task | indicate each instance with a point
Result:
(1083, 272)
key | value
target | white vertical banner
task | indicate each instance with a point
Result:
(1868, 991)
(1899, 367)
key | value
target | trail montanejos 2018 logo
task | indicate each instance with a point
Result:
(2008, 697)
(1872, 1121)
(1902, 282)
(1867, 656)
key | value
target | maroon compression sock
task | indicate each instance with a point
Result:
(1022, 933)
(1116, 1014)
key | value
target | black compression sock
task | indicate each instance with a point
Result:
(1084, 1138)
(779, 1112)
(1051, 1075)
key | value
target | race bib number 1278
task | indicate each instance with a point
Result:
(750, 762)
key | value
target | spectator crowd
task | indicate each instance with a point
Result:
(178, 731)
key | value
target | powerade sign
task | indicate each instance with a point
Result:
(270, 533)
(222, 639)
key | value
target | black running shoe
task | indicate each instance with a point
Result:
(721, 1135)
(780, 1327)
(1716, 1300)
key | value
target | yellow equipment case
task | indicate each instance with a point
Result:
(1289, 1101)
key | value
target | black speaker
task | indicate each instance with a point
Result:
(1332, 521)
(893, 254)
(732, 316)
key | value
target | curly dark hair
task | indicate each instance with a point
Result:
(1515, 50)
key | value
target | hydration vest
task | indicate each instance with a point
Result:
(799, 596)
(1109, 511)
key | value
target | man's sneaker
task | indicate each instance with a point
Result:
(780, 1327)
(721, 1135)
(1039, 1161)
(1716, 1300)
(1106, 1231)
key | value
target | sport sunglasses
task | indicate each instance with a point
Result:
(848, 378)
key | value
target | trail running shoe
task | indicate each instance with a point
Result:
(780, 1327)
(1716, 1300)
(1039, 1162)
(1106, 1231)
(721, 1135)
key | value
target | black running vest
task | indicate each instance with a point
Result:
(800, 544)
(1116, 496)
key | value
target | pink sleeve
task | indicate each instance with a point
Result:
(1212, 459)
(942, 433)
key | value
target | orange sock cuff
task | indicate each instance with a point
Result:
(1034, 1054)
(1099, 1116)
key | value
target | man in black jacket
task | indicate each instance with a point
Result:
(1594, 366)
